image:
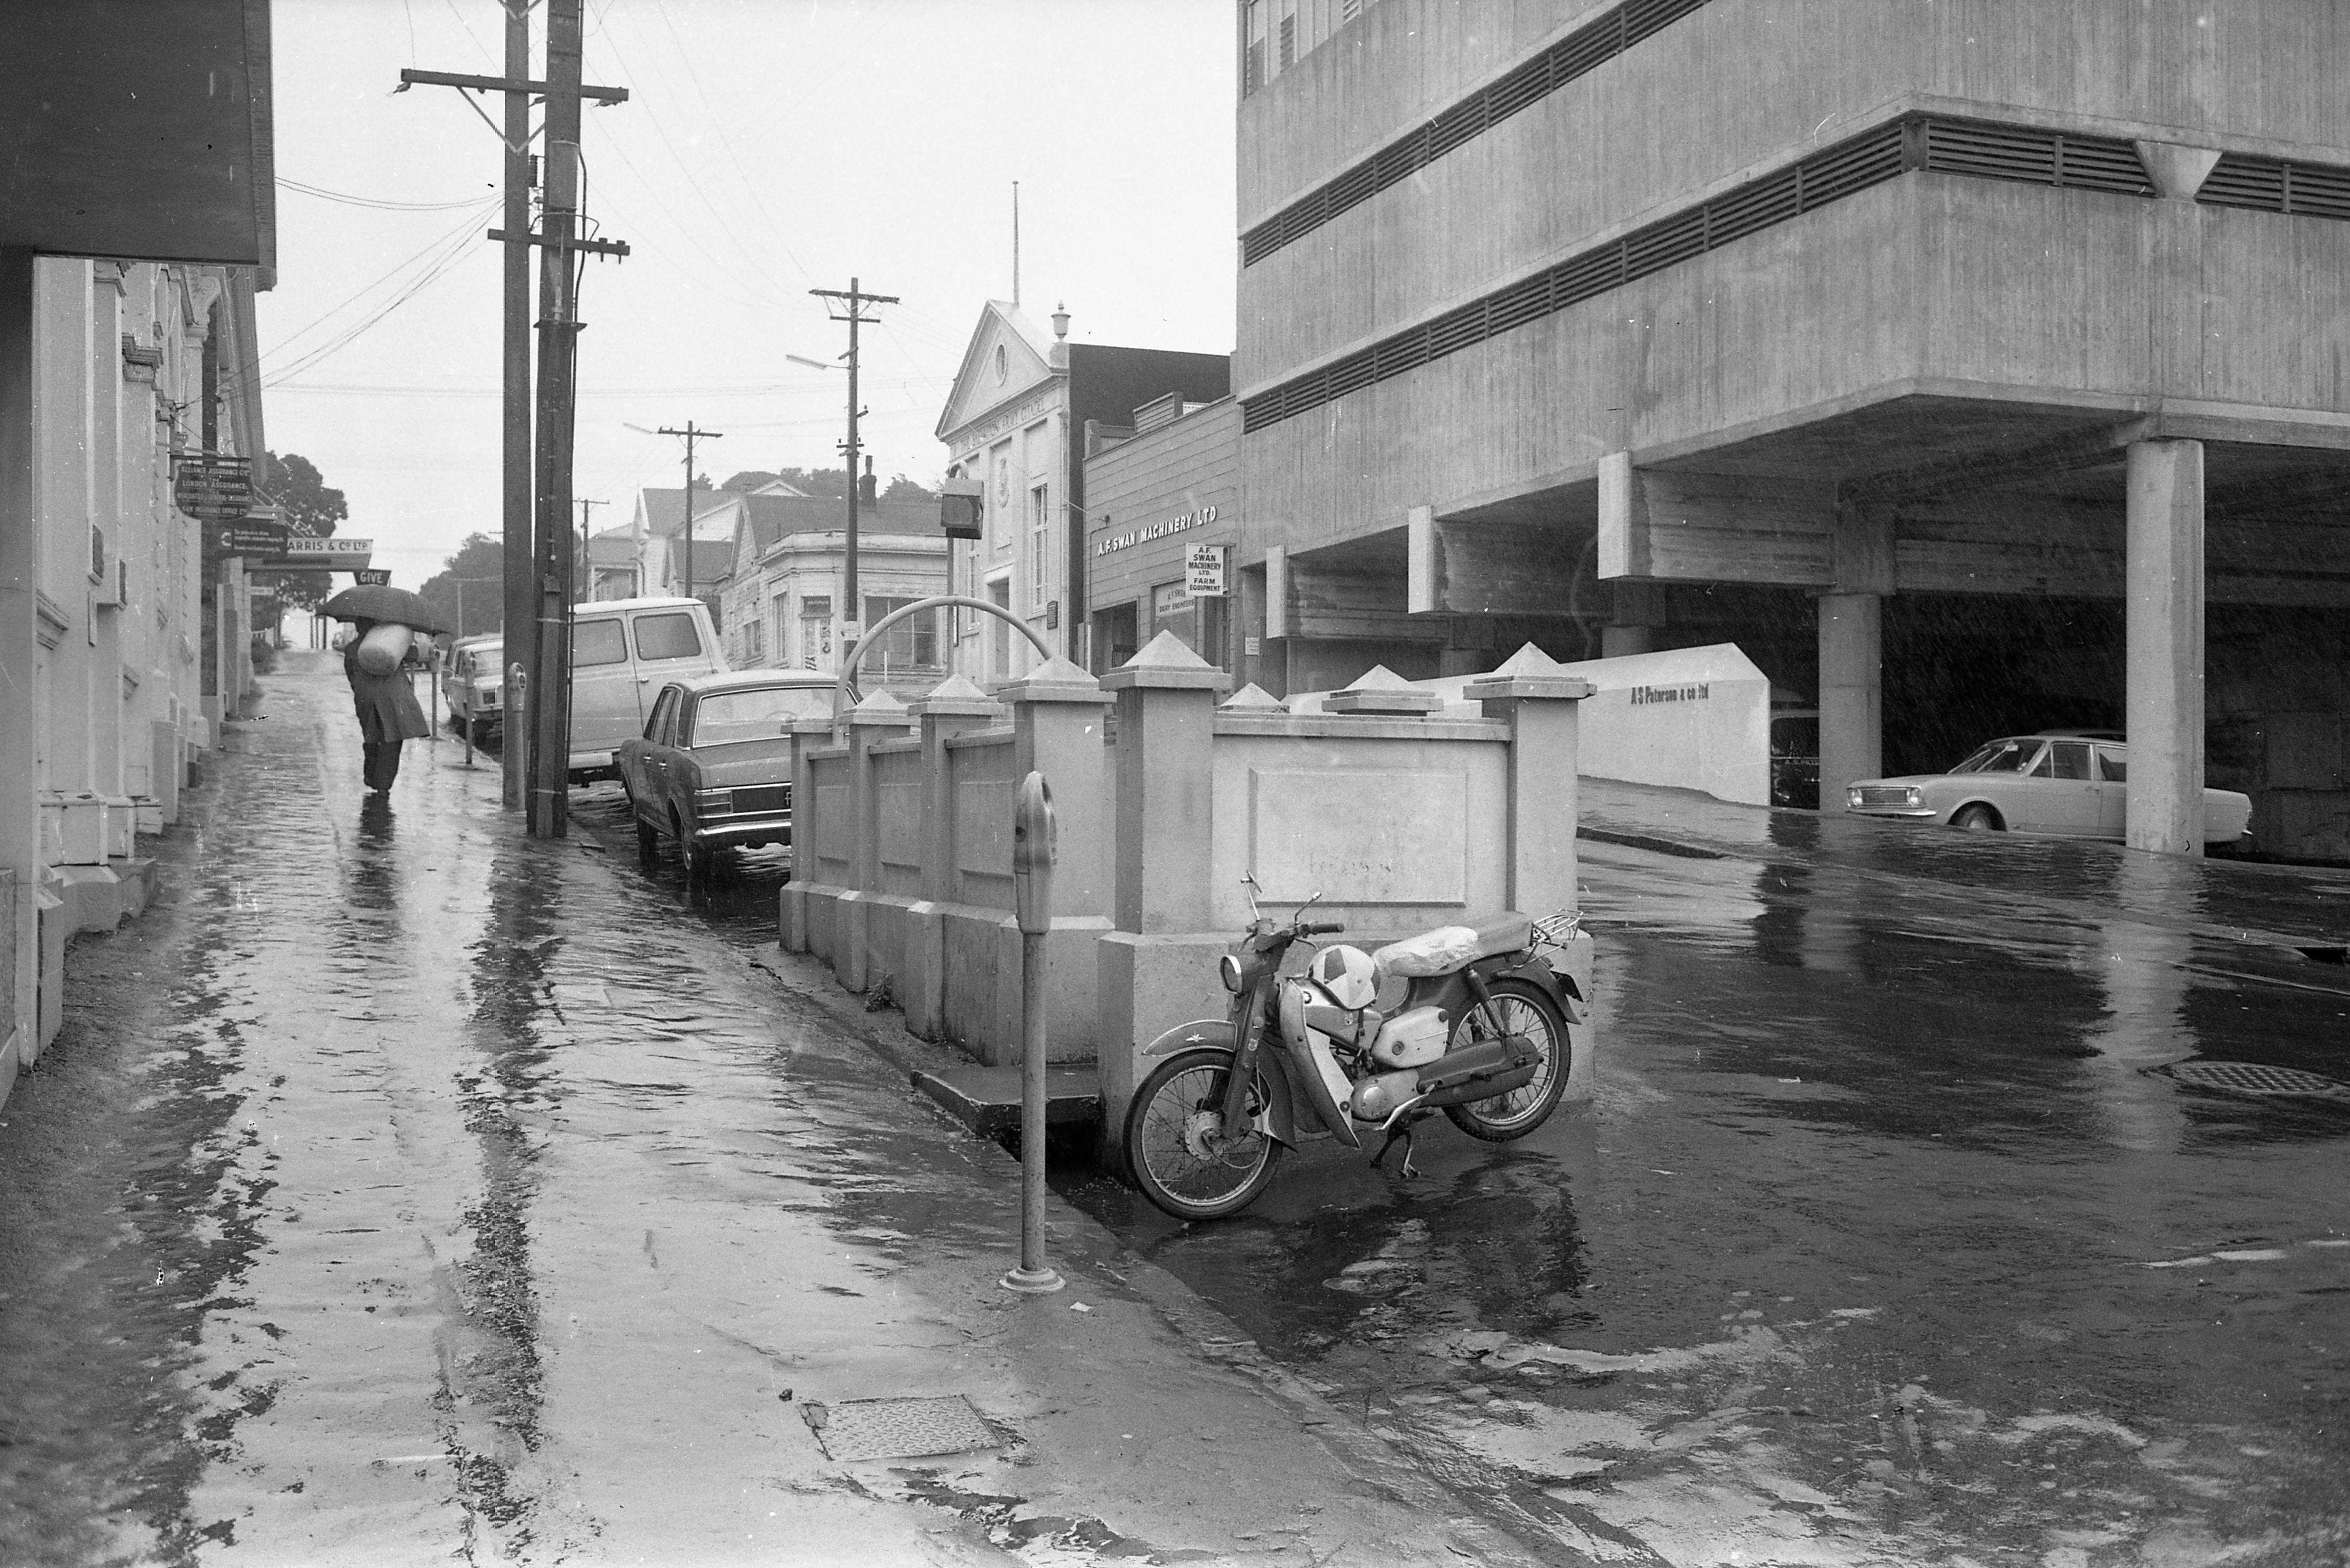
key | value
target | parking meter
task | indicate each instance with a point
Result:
(1035, 843)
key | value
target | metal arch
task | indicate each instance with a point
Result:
(845, 693)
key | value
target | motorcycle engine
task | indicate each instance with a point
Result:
(1375, 1100)
(1410, 1039)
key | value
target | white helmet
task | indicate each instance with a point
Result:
(1347, 974)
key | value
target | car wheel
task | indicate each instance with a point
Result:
(648, 843)
(1977, 819)
(695, 856)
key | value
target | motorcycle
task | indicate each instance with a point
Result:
(1481, 1034)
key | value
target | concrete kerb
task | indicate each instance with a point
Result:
(1084, 1244)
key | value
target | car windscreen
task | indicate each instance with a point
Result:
(758, 713)
(2000, 757)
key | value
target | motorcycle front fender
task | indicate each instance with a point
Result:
(1280, 1119)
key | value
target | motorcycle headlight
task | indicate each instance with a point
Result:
(1228, 969)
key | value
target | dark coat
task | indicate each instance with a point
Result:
(387, 706)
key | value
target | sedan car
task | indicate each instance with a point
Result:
(473, 684)
(2072, 783)
(714, 768)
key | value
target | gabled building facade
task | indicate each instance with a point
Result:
(1014, 421)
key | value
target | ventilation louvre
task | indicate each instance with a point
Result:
(1973, 148)
(1588, 46)
(2274, 185)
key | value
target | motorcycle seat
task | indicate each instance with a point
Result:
(1449, 947)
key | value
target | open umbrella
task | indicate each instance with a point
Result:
(380, 601)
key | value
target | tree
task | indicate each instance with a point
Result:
(472, 582)
(309, 507)
(815, 482)
(904, 489)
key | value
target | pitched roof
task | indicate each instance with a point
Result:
(773, 517)
(665, 510)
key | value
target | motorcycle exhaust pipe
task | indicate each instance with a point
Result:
(1481, 1060)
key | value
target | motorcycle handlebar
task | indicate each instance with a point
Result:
(1320, 927)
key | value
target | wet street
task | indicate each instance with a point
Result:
(404, 1190)
(1905, 1228)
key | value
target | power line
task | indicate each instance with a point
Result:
(379, 203)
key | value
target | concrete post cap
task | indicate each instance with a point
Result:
(956, 697)
(1253, 698)
(1055, 680)
(1382, 691)
(1167, 663)
(882, 708)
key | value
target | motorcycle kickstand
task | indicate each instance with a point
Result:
(1402, 1134)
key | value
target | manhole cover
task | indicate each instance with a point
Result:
(898, 1428)
(2252, 1079)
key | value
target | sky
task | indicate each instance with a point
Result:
(767, 146)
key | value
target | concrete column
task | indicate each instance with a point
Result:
(880, 717)
(1545, 716)
(1852, 699)
(956, 705)
(792, 911)
(1639, 609)
(1056, 726)
(1543, 720)
(1158, 967)
(2164, 705)
(20, 570)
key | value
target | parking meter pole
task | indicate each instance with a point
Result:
(517, 719)
(1035, 844)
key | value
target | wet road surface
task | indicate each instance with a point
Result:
(1886, 1240)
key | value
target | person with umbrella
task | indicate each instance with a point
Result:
(384, 620)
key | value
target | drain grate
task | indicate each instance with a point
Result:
(2252, 1079)
(898, 1428)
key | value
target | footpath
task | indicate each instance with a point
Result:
(404, 1189)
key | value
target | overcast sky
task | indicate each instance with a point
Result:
(767, 146)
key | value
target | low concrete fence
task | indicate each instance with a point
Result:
(1400, 816)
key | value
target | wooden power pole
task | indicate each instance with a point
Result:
(691, 435)
(852, 628)
(537, 555)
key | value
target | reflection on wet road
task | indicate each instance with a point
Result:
(1882, 1241)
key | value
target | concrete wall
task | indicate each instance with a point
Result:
(1742, 83)
(1444, 820)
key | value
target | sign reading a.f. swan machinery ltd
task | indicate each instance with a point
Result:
(1203, 571)
(1149, 530)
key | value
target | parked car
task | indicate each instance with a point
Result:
(2070, 781)
(714, 768)
(1795, 757)
(622, 650)
(473, 684)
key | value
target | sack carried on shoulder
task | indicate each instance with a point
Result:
(382, 648)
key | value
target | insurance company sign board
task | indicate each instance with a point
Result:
(212, 488)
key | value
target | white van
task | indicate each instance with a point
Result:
(623, 652)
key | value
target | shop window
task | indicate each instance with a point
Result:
(912, 644)
(816, 631)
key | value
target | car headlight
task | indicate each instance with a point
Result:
(1852, 797)
(1228, 969)
(1913, 795)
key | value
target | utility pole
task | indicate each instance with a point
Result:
(691, 435)
(584, 580)
(527, 566)
(514, 434)
(853, 612)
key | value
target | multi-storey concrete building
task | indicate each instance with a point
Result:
(1974, 365)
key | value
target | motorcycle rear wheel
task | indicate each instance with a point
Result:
(1174, 1146)
(1525, 1010)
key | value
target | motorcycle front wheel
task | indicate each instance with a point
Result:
(1525, 1010)
(1175, 1145)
